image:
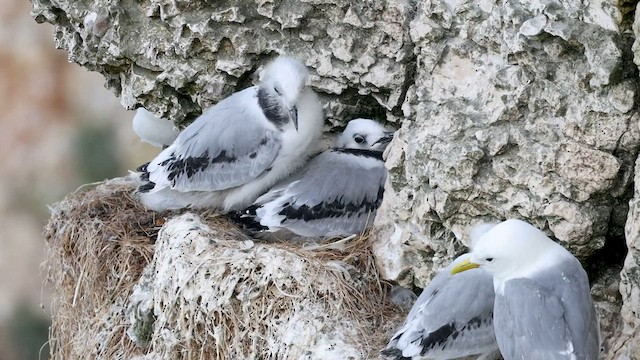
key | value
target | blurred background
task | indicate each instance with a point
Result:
(59, 129)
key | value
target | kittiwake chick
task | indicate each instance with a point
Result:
(337, 193)
(238, 149)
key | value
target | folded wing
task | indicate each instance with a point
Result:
(227, 146)
(336, 193)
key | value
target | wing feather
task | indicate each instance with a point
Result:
(336, 193)
(549, 316)
(451, 318)
(227, 146)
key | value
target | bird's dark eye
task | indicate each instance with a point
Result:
(489, 259)
(359, 139)
(277, 90)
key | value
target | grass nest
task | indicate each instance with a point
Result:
(133, 283)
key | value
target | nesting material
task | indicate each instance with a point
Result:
(98, 242)
(206, 292)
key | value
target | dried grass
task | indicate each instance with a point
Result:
(205, 290)
(98, 242)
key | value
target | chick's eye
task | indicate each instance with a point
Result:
(489, 259)
(359, 139)
(277, 90)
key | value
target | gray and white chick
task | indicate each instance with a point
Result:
(239, 148)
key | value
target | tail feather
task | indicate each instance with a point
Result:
(146, 187)
(144, 176)
(247, 219)
(394, 353)
(143, 168)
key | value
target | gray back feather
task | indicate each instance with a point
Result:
(336, 193)
(227, 146)
(455, 298)
(537, 318)
(446, 306)
(336, 176)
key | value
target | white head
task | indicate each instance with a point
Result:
(284, 79)
(509, 250)
(364, 134)
(477, 231)
(154, 130)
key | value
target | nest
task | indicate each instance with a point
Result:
(129, 283)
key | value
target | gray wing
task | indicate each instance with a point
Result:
(451, 318)
(227, 146)
(336, 193)
(550, 316)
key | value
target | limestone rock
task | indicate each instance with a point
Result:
(627, 344)
(255, 300)
(177, 58)
(518, 110)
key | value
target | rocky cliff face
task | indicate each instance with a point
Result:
(176, 58)
(506, 109)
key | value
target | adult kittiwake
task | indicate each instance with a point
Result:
(543, 307)
(154, 130)
(238, 149)
(452, 318)
(337, 193)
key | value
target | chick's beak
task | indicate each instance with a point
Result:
(388, 136)
(293, 114)
(464, 266)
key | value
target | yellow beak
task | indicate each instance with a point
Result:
(464, 266)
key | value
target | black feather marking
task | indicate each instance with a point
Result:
(360, 152)
(474, 323)
(332, 209)
(438, 337)
(246, 219)
(190, 166)
(396, 354)
(143, 167)
(223, 158)
(144, 176)
(146, 187)
(272, 108)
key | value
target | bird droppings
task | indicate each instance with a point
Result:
(203, 289)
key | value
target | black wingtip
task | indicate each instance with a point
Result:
(246, 219)
(143, 168)
(394, 353)
(438, 337)
(146, 187)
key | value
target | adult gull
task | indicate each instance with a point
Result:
(543, 307)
